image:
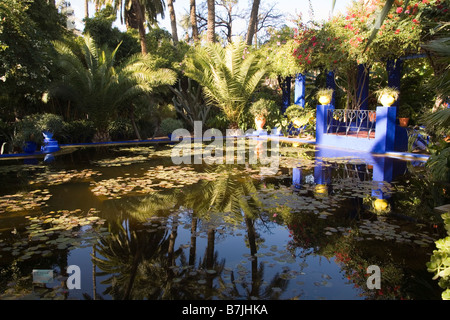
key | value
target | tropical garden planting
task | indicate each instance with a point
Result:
(102, 86)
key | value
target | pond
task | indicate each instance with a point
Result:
(134, 225)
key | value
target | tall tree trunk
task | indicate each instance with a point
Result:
(210, 35)
(173, 21)
(141, 27)
(193, 16)
(86, 9)
(133, 123)
(252, 22)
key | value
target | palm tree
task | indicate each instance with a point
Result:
(210, 36)
(253, 22)
(229, 76)
(136, 12)
(193, 19)
(173, 21)
(100, 88)
(86, 8)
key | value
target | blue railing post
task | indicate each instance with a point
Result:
(385, 129)
(321, 121)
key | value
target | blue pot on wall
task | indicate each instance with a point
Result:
(50, 145)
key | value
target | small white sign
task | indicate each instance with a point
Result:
(42, 276)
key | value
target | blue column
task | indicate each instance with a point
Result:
(363, 87)
(331, 84)
(321, 121)
(385, 129)
(394, 69)
(286, 98)
(300, 90)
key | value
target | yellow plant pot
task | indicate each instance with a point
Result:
(387, 100)
(324, 100)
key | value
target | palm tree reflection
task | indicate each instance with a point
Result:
(143, 262)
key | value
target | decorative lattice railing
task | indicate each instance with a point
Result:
(359, 123)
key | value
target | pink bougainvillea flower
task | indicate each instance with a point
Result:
(399, 10)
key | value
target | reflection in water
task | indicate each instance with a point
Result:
(308, 231)
(151, 261)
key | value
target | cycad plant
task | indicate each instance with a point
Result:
(229, 75)
(102, 89)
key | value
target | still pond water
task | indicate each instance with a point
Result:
(140, 227)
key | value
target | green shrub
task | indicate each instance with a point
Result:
(121, 129)
(169, 125)
(439, 263)
(78, 131)
(263, 108)
(49, 122)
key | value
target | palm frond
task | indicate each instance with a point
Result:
(379, 22)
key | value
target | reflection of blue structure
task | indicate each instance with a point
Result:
(297, 178)
(385, 169)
